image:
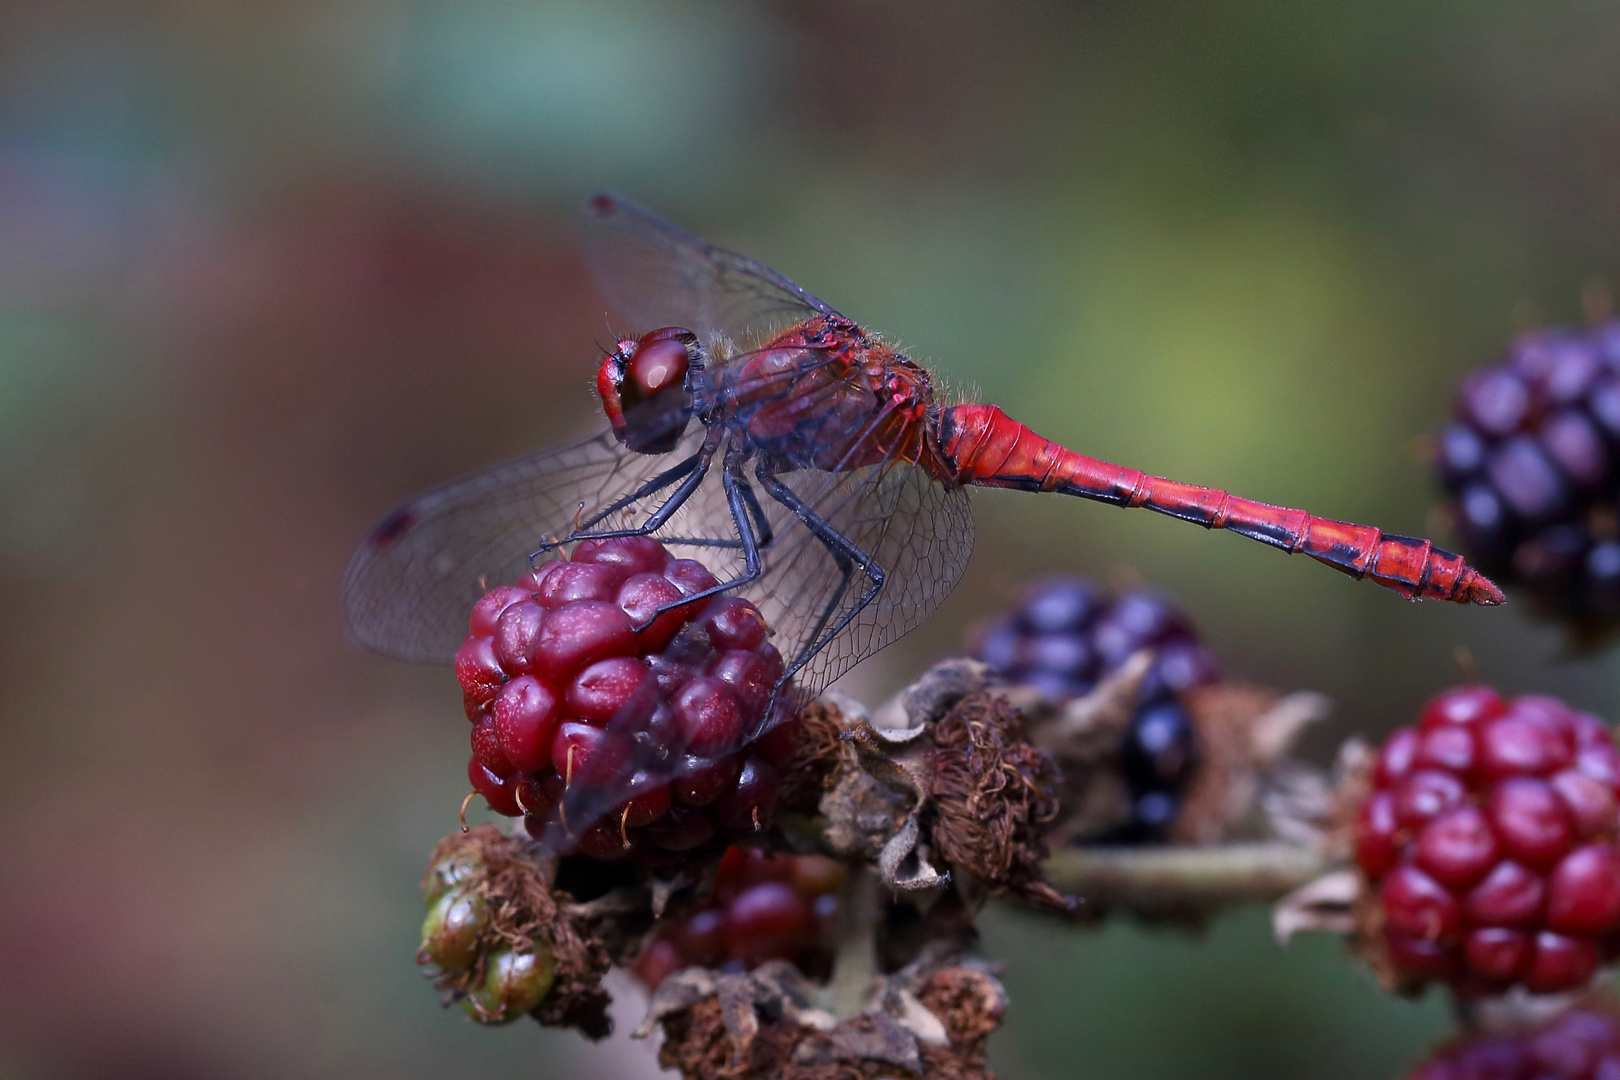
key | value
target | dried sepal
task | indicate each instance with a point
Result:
(1244, 736)
(902, 758)
(901, 761)
(1325, 904)
(1297, 803)
(995, 797)
(1086, 732)
(776, 988)
(1341, 901)
(807, 774)
(861, 814)
(1086, 736)
(974, 794)
(1249, 829)
(931, 1019)
(857, 813)
(904, 864)
(925, 700)
(1352, 784)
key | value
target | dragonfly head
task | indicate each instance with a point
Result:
(644, 389)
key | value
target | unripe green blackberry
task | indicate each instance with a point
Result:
(451, 873)
(451, 930)
(514, 984)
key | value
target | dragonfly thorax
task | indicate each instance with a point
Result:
(645, 386)
(826, 395)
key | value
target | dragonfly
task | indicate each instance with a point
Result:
(814, 468)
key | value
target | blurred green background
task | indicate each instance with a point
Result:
(266, 269)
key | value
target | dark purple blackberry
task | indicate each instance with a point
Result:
(1068, 633)
(1529, 462)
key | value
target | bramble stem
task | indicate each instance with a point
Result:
(856, 963)
(1203, 877)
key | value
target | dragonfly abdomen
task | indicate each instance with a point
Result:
(982, 445)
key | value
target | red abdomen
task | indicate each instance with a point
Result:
(982, 445)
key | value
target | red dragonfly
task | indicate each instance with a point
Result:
(811, 466)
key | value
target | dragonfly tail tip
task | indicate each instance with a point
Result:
(1483, 591)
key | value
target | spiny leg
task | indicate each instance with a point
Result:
(765, 536)
(693, 469)
(738, 500)
(844, 552)
(846, 571)
(651, 487)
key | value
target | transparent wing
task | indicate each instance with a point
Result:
(916, 530)
(408, 590)
(655, 274)
(919, 532)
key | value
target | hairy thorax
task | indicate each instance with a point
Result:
(825, 395)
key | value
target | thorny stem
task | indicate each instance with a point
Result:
(1191, 876)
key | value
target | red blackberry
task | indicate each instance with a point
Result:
(568, 673)
(1580, 1044)
(1489, 840)
(1067, 634)
(1529, 464)
(763, 908)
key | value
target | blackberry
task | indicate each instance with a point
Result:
(1529, 465)
(496, 985)
(563, 671)
(1067, 634)
(763, 907)
(1578, 1044)
(1489, 842)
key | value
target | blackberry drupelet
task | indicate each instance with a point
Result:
(1530, 468)
(1068, 633)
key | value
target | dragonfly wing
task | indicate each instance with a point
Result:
(655, 274)
(918, 532)
(409, 588)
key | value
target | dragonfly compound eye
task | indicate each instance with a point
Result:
(644, 392)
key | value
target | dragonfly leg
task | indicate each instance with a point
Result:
(845, 553)
(651, 487)
(690, 471)
(764, 535)
(739, 499)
